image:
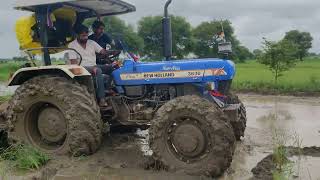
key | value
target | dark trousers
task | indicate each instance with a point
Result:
(97, 72)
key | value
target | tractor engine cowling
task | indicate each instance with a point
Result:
(175, 72)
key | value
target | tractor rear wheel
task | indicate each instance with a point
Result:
(55, 115)
(191, 134)
(239, 125)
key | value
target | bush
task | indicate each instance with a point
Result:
(24, 157)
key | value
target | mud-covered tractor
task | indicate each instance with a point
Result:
(192, 117)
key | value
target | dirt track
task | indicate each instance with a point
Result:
(125, 156)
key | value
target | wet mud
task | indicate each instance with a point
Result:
(265, 168)
(126, 155)
(122, 156)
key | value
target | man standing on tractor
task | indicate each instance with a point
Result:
(100, 37)
(88, 49)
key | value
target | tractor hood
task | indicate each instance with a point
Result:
(182, 71)
(89, 8)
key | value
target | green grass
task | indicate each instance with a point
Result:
(4, 98)
(304, 77)
(251, 76)
(10, 67)
(23, 157)
(6, 69)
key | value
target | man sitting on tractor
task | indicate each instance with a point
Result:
(88, 49)
(105, 41)
(99, 36)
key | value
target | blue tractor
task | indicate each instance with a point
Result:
(193, 119)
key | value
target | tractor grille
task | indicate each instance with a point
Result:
(224, 86)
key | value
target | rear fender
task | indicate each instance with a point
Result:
(68, 71)
(232, 111)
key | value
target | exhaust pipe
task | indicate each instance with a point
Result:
(167, 33)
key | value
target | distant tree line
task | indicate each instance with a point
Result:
(188, 41)
(200, 41)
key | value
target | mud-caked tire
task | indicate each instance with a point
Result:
(56, 115)
(192, 135)
(239, 125)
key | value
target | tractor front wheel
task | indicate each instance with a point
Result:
(192, 134)
(55, 115)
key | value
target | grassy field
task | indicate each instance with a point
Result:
(304, 77)
(251, 77)
(8, 68)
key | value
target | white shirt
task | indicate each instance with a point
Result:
(88, 54)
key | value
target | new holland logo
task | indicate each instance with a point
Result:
(173, 74)
(171, 68)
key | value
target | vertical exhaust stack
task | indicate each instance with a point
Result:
(167, 33)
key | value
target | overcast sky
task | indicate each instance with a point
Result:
(252, 19)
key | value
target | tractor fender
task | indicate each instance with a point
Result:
(68, 71)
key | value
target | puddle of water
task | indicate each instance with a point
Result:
(6, 90)
(265, 113)
(306, 167)
(288, 114)
(298, 115)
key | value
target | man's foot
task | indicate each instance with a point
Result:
(103, 103)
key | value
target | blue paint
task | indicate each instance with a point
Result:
(130, 66)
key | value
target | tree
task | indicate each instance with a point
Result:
(303, 41)
(206, 41)
(118, 29)
(243, 53)
(312, 54)
(278, 56)
(150, 29)
(20, 58)
(257, 53)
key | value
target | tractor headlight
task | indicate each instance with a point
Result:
(210, 86)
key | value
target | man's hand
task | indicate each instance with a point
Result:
(116, 64)
(103, 52)
(109, 54)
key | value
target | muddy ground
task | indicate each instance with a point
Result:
(126, 155)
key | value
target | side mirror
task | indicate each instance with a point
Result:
(225, 48)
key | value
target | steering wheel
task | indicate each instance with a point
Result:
(113, 54)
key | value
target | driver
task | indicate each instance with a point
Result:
(87, 49)
(100, 37)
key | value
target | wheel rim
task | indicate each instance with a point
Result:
(46, 126)
(188, 139)
(52, 125)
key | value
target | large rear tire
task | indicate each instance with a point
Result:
(55, 115)
(191, 134)
(239, 125)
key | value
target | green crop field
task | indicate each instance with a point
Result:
(251, 76)
(8, 68)
(304, 77)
